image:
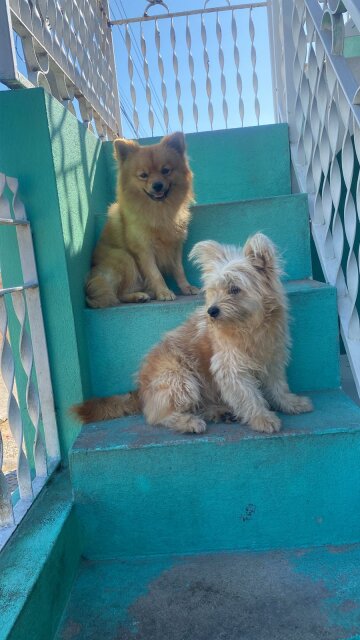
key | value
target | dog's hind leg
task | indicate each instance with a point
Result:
(100, 289)
(172, 397)
(115, 279)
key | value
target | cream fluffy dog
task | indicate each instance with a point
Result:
(228, 357)
(147, 225)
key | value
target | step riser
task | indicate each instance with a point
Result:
(113, 363)
(266, 493)
(285, 220)
(236, 164)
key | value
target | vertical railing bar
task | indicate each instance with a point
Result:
(131, 78)
(192, 71)
(253, 63)
(147, 84)
(221, 65)
(273, 59)
(6, 510)
(207, 72)
(237, 66)
(8, 64)
(161, 71)
(175, 62)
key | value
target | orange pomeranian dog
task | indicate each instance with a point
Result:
(146, 228)
(230, 356)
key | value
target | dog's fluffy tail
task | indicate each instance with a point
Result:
(98, 409)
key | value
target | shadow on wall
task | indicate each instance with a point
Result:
(63, 182)
(84, 191)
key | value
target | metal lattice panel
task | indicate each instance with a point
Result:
(324, 121)
(23, 346)
(67, 48)
(212, 76)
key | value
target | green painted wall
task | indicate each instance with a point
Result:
(234, 164)
(63, 183)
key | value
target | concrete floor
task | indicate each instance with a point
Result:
(311, 594)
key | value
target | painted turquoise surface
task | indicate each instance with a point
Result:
(314, 356)
(234, 164)
(139, 490)
(38, 566)
(150, 492)
(229, 595)
(63, 183)
(233, 223)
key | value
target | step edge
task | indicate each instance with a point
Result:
(301, 197)
(217, 440)
(321, 288)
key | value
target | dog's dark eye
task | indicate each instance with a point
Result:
(143, 175)
(233, 289)
(165, 171)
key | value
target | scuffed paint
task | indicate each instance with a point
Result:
(252, 596)
(337, 568)
(184, 493)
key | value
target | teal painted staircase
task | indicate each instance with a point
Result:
(229, 535)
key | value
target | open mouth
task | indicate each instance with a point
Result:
(158, 196)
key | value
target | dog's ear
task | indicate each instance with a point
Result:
(175, 141)
(206, 254)
(123, 148)
(261, 252)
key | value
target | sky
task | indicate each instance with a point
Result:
(135, 8)
(130, 8)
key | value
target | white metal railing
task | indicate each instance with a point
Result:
(318, 93)
(20, 308)
(193, 70)
(67, 49)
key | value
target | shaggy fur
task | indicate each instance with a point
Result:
(146, 227)
(228, 358)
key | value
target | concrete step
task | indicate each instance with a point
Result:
(119, 337)
(309, 594)
(285, 219)
(233, 164)
(143, 490)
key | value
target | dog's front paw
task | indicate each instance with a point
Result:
(266, 423)
(298, 404)
(141, 296)
(196, 425)
(165, 294)
(190, 424)
(189, 290)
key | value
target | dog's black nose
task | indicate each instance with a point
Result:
(157, 186)
(213, 311)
